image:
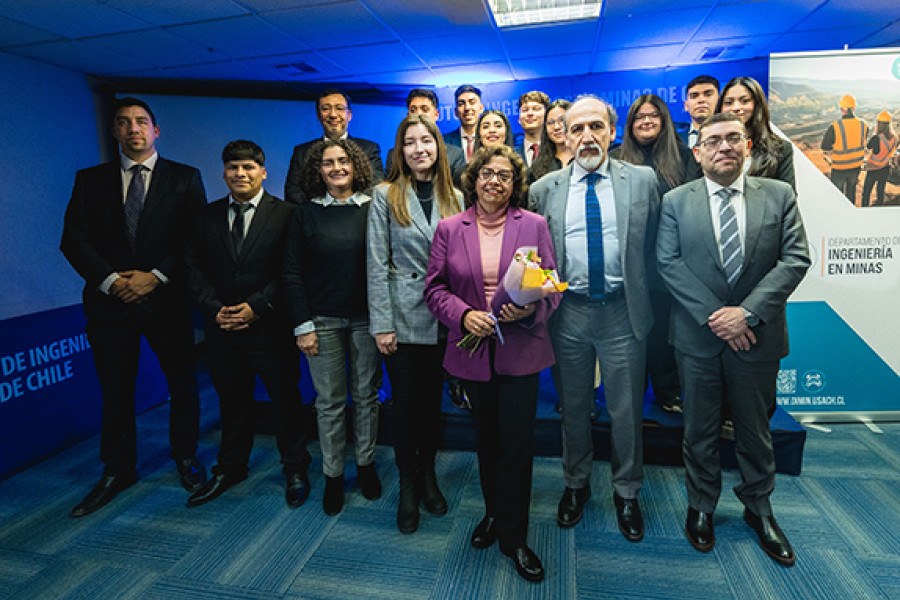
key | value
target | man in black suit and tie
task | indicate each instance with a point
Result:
(422, 101)
(731, 250)
(333, 112)
(701, 95)
(234, 267)
(468, 108)
(125, 230)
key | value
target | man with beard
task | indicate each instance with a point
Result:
(731, 249)
(600, 212)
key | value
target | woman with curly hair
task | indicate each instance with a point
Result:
(493, 129)
(404, 213)
(553, 153)
(325, 287)
(470, 254)
(770, 155)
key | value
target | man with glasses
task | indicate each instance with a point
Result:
(731, 249)
(600, 212)
(334, 114)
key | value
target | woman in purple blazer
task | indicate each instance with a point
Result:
(470, 254)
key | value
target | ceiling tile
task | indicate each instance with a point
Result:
(550, 39)
(267, 5)
(80, 57)
(557, 66)
(14, 33)
(621, 8)
(636, 58)
(455, 50)
(71, 18)
(171, 12)
(331, 25)
(415, 19)
(156, 47)
(227, 70)
(754, 18)
(730, 49)
(639, 30)
(241, 37)
(298, 66)
(376, 58)
(475, 74)
(852, 14)
(808, 41)
(888, 36)
(412, 78)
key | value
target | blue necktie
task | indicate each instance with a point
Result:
(134, 202)
(729, 237)
(594, 225)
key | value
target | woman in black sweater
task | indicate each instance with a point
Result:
(325, 285)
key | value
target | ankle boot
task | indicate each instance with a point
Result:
(434, 500)
(408, 506)
(333, 497)
(368, 481)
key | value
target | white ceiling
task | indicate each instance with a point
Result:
(294, 47)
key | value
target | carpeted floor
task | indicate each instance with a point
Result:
(842, 515)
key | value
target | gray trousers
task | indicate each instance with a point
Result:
(348, 357)
(585, 332)
(749, 390)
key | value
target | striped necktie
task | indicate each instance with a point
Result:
(729, 236)
(594, 230)
(134, 203)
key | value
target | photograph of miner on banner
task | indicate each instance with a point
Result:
(847, 130)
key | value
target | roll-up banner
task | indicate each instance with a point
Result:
(844, 319)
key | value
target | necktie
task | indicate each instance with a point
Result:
(470, 145)
(237, 226)
(534, 153)
(594, 230)
(729, 237)
(134, 202)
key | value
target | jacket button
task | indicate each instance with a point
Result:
(415, 275)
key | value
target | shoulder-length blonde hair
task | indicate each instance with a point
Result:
(400, 178)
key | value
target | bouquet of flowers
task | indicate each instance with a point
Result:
(524, 282)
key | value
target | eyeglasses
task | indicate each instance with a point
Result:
(654, 116)
(713, 142)
(486, 174)
(555, 122)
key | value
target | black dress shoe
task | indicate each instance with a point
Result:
(192, 473)
(571, 506)
(485, 533)
(368, 481)
(333, 498)
(105, 490)
(296, 489)
(432, 498)
(628, 515)
(528, 565)
(699, 530)
(214, 487)
(771, 539)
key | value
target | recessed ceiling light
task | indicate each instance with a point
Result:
(510, 13)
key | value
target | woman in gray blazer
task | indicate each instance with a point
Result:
(404, 212)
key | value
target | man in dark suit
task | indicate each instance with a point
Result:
(731, 250)
(701, 95)
(334, 113)
(422, 101)
(124, 232)
(468, 108)
(601, 214)
(234, 267)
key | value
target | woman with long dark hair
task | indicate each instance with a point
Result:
(553, 153)
(882, 147)
(405, 211)
(493, 128)
(770, 155)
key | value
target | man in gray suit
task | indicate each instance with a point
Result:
(731, 250)
(600, 212)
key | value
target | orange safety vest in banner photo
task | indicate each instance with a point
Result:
(849, 149)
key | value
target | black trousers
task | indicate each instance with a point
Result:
(417, 383)
(662, 369)
(504, 410)
(845, 180)
(116, 349)
(877, 179)
(235, 359)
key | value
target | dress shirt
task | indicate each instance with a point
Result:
(147, 173)
(576, 231)
(693, 134)
(358, 198)
(737, 203)
(248, 216)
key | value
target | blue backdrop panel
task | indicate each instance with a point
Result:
(49, 393)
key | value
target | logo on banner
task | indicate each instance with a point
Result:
(813, 381)
(895, 69)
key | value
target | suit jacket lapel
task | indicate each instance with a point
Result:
(158, 183)
(472, 245)
(510, 239)
(418, 215)
(755, 207)
(621, 185)
(556, 216)
(220, 226)
(701, 215)
(262, 213)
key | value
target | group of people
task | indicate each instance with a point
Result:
(847, 152)
(407, 267)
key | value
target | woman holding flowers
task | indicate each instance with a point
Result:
(403, 215)
(470, 254)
